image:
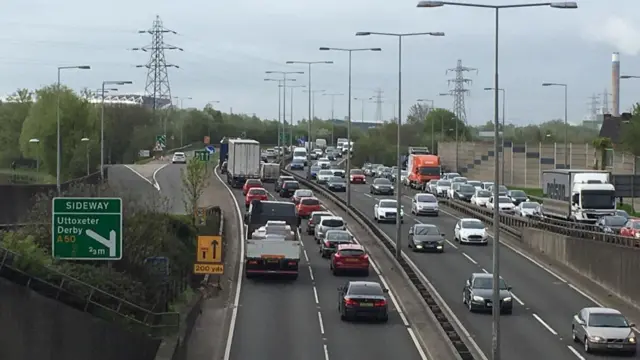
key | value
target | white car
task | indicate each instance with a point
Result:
(404, 175)
(387, 210)
(486, 185)
(324, 176)
(504, 204)
(451, 192)
(179, 158)
(442, 187)
(471, 231)
(476, 184)
(459, 179)
(481, 197)
(323, 164)
(450, 176)
(325, 159)
(327, 223)
(527, 208)
(425, 204)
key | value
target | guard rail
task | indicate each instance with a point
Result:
(436, 308)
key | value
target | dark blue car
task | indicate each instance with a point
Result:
(297, 165)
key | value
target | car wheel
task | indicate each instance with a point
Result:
(587, 346)
(574, 336)
(343, 317)
(334, 271)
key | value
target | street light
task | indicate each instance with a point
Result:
(86, 140)
(456, 129)
(504, 96)
(433, 140)
(363, 101)
(280, 84)
(333, 118)
(313, 100)
(629, 77)
(350, 51)
(37, 142)
(309, 63)
(566, 122)
(102, 121)
(495, 343)
(284, 98)
(291, 112)
(182, 99)
(58, 145)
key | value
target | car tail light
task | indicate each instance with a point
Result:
(327, 244)
(337, 255)
(310, 221)
(379, 303)
(291, 263)
(364, 257)
(252, 262)
(351, 302)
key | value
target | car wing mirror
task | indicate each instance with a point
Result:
(509, 288)
(443, 234)
(410, 231)
(467, 283)
(386, 291)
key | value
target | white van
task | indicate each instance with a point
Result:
(300, 153)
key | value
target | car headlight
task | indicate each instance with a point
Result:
(632, 339)
(507, 299)
(637, 235)
(595, 339)
(478, 298)
(391, 187)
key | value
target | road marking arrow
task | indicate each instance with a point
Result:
(110, 243)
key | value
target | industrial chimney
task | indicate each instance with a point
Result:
(615, 83)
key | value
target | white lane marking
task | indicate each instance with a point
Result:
(315, 295)
(140, 175)
(367, 195)
(155, 182)
(306, 257)
(326, 352)
(236, 300)
(470, 258)
(544, 324)
(311, 273)
(451, 244)
(517, 299)
(321, 323)
(152, 182)
(575, 352)
(412, 334)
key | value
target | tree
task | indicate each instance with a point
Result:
(601, 145)
(195, 178)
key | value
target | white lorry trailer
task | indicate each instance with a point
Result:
(270, 172)
(273, 239)
(577, 195)
(243, 162)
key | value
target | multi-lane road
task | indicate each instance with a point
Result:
(299, 319)
(540, 326)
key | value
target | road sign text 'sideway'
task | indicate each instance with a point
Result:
(87, 228)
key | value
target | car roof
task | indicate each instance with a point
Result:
(286, 177)
(301, 190)
(470, 219)
(310, 197)
(331, 217)
(341, 231)
(178, 153)
(257, 188)
(350, 246)
(601, 310)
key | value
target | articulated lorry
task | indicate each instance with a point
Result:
(273, 239)
(577, 195)
(243, 161)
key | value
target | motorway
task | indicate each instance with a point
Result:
(169, 181)
(299, 320)
(540, 327)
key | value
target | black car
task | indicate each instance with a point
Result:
(363, 298)
(517, 196)
(288, 188)
(331, 156)
(464, 192)
(611, 224)
(336, 183)
(223, 168)
(332, 239)
(478, 291)
(281, 180)
(426, 237)
(338, 172)
(381, 186)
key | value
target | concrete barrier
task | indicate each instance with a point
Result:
(614, 267)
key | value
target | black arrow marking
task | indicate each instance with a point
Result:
(204, 254)
(214, 243)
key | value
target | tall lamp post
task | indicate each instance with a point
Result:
(433, 140)
(350, 51)
(313, 100)
(309, 63)
(504, 116)
(280, 85)
(333, 118)
(363, 101)
(86, 141)
(495, 343)
(292, 87)
(181, 99)
(566, 121)
(104, 83)
(37, 142)
(284, 102)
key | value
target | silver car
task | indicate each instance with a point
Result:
(603, 329)
(424, 204)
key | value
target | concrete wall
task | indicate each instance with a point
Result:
(616, 269)
(35, 327)
(524, 163)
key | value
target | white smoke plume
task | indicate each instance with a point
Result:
(620, 33)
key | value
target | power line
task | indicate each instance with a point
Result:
(459, 90)
(378, 101)
(594, 102)
(605, 102)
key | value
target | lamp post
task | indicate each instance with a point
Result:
(37, 142)
(102, 121)
(86, 140)
(456, 131)
(350, 51)
(284, 101)
(182, 99)
(291, 112)
(309, 63)
(433, 140)
(58, 144)
(363, 100)
(333, 118)
(313, 100)
(495, 343)
(566, 120)
(280, 85)
(504, 116)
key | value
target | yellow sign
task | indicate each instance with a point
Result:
(208, 269)
(209, 249)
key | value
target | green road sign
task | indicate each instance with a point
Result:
(202, 155)
(162, 140)
(86, 228)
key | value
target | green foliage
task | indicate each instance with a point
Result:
(195, 178)
(601, 144)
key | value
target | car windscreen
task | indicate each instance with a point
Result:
(291, 185)
(388, 204)
(332, 223)
(338, 236)
(608, 320)
(467, 189)
(356, 172)
(483, 194)
(426, 199)
(518, 194)
(470, 224)
(474, 183)
(316, 217)
(426, 230)
(257, 192)
(310, 201)
(300, 154)
(297, 161)
(487, 283)
(365, 290)
(444, 183)
(504, 200)
(381, 182)
(315, 168)
(254, 182)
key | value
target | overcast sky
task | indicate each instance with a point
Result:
(229, 44)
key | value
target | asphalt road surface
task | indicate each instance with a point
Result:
(299, 319)
(540, 326)
(131, 186)
(170, 182)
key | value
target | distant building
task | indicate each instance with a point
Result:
(611, 126)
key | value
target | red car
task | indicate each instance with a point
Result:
(299, 194)
(631, 228)
(356, 176)
(255, 193)
(250, 184)
(307, 205)
(350, 257)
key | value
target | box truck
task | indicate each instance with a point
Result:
(243, 161)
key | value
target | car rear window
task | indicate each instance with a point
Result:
(254, 182)
(317, 217)
(351, 252)
(291, 185)
(258, 192)
(310, 202)
(366, 290)
(333, 223)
